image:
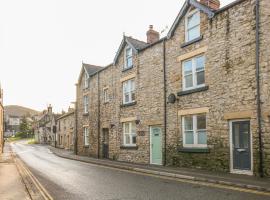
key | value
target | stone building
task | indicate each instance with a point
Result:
(65, 130)
(1, 121)
(45, 127)
(197, 98)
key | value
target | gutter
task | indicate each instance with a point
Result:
(165, 102)
(259, 110)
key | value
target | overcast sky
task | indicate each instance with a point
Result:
(43, 42)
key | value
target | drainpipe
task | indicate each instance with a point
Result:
(165, 102)
(98, 116)
(259, 110)
(76, 123)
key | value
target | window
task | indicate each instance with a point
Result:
(129, 91)
(86, 136)
(193, 26)
(85, 104)
(106, 95)
(194, 130)
(129, 130)
(128, 58)
(193, 73)
(86, 80)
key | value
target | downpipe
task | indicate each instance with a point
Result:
(259, 110)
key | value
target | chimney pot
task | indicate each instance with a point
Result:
(213, 4)
(152, 35)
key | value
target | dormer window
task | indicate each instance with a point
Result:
(128, 58)
(193, 25)
(86, 81)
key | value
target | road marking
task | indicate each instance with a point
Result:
(189, 181)
(23, 168)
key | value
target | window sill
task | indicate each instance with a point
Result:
(128, 104)
(85, 114)
(192, 41)
(86, 146)
(126, 69)
(194, 150)
(199, 89)
(129, 147)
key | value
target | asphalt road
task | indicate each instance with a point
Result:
(68, 179)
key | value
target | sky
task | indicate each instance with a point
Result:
(44, 42)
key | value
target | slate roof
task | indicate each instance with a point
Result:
(137, 44)
(91, 69)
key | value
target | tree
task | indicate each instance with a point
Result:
(24, 127)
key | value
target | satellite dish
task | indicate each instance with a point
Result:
(171, 98)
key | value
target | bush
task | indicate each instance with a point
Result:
(21, 135)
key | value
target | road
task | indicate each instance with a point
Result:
(68, 179)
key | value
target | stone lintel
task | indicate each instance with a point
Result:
(130, 76)
(128, 119)
(193, 111)
(238, 115)
(192, 54)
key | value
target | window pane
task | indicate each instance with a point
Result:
(133, 96)
(200, 78)
(129, 52)
(188, 81)
(194, 33)
(188, 122)
(202, 137)
(133, 128)
(201, 122)
(129, 62)
(200, 63)
(126, 97)
(194, 20)
(133, 139)
(126, 127)
(188, 67)
(236, 130)
(127, 139)
(245, 142)
(189, 137)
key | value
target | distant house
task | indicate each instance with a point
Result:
(65, 130)
(12, 125)
(45, 127)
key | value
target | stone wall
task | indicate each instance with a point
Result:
(228, 44)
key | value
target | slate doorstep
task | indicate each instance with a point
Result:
(156, 172)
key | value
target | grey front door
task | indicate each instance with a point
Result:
(241, 145)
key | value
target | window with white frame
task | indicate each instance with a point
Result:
(128, 58)
(129, 91)
(86, 80)
(85, 103)
(129, 133)
(106, 95)
(193, 73)
(193, 25)
(194, 130)
(86, 136)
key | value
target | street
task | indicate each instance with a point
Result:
(68, 179)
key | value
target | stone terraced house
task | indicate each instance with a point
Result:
(65, 130)
(199, 97)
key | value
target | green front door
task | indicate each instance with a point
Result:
(155, 145)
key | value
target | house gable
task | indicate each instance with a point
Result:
(135, 44)
(186, 7)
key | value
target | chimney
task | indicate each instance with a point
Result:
(50, 109)
(213, 4)
(152, 35)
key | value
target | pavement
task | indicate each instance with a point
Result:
(70, 179)
(226, 179)
(11, 183)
